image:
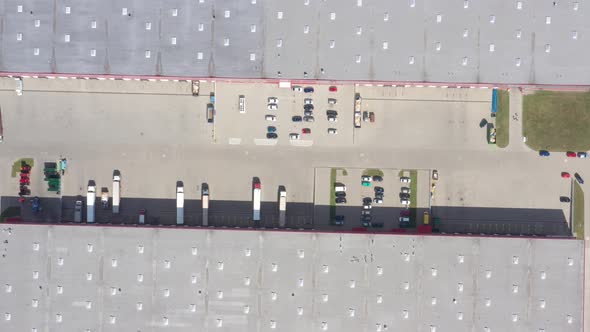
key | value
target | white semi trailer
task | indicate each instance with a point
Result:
(282, 206)
(90, 200)
(116, 192)
(205, 204)
(256, 202)
(179, 205)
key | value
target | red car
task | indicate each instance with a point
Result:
(571, 154)
(565, 175)
(306, 131)
(333, 89)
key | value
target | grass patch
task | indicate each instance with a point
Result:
(578, 199)
(10, 212)
(503, 119)
(373, 172)
(413, 198)
(332, 194)
(17, 164)
(557, 121)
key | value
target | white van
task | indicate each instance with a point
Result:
(339, 187)
(242, 104)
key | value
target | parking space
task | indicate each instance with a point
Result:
(413, 117)
(268, 105)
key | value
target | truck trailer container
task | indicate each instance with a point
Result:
(179, 205)
(256, 202)
(90, 200)
(116, 192)
(282, 206)
(357, 111)
(205, 204)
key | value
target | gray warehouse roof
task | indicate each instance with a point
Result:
(494, 41)
(92, 278)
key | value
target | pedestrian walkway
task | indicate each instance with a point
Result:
(515, 106)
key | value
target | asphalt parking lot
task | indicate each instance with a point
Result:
(250, 127)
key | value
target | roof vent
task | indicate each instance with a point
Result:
(175, 12)
(58, 318)
(19, 8)
(405, 314)
(515, 317)
(139, 306)
(492, 47)
(514, 289)
(460, 259)
(300, 282)
(324, 326)
(574, 35)
(273, 324)
(247, 281)
(219, 322)
(201, 27)
(220, 295)
(459, 316)
(542, 304)
(140, 249)
(570, 261)
(37, 23)
(460, 287)
(576, 5)
(280, 15)
(8, 288)
(300, 311)
(253, 28)
(379, 298)
(88, 276)
(325, 297)
(226, 14)
(246, 309)
(465, 33)
(273, 296)
(114, 262)
(547, 48)
(433, 301)
(386, 16)
(36, 51)
(199, 55)
(113, 319)
(34, 303)
(165, 321)
(193, 279)
(492, 19)
(68, 10)
(274, 267)
(569, 319)
(411, 61)
(547, 19)
(351, 312)
(518, 34)
(332, 16)
(166, 292)
(519, 5)
(220, 266)
(60, 290)
(466, 4)
(167, 264)
(412, 3)
(7, 316)
(306, 29)
(438, 18)
(300, 252)
(379, 270)
(488, 302)
(19, 36)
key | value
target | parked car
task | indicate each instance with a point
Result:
(272, 135)
(332, 101)
(377, 178)
(308, 89)
(332, 131)
(306, 131)
(378, 189)
(294, 136)
(296, 118)
(366, 184)
(404, 196)
(378, 196)
(271, 129)
(273, 100)
(579, 178)
(307, 101)
(571, 154)
(340, 194)
(269, 117)
(544, 153)
(332, 118)
(404, 201)
(434, 174)
(333, 89)
(582, 155)
(273, 107)
(406, 190)
(367, 206)
(331, 112)
(340, 200)
(405, 179)
(308, 107)
(565, 175)
(564, 199)
(366, 178)
(297, 88)
(372, 116)
(338, 221)
(378, 200)
(307, 113)
(367, 200)
(308, 118)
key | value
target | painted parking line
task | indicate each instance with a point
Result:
(304, 143)
(263, 141)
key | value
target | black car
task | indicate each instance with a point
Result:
(272, 135)
(404, 196)
(331, 113)
(307, 113)
(579, 178)
(340, 200)
(308, 89)
(308, 107)
(377, 178)
(379, 190)
(297, 118)
(340, 194)
(338, 221)
(378, 196)
(564, 199)
(367, 200)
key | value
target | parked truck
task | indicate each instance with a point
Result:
(90, 200)
(116, 192)
(195, 88)
(179, 205)
(256, 202)
(357, 111)
(282, 206)
(205, 203)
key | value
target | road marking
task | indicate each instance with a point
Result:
(235, 141)
(268, 142)
(303, 143)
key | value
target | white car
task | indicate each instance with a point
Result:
(332, 131)
(404, 202)
(273, 107)
(297, 88)
(405, 179)
(332, 101)
(366, 178)
(273, 100)
(332, 118)
(378, 201)
(308, 101)
(294, 136)
(270, 118)
(367, 206)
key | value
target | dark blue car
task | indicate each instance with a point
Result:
(544, 153)
(308, 89)
(579, 178)
(271, 129)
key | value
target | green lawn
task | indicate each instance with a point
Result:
(578, 207)
(17, 164)
(557, 121)
(373, 172)
(503, 119)
(413, 198)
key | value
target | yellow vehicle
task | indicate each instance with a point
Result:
(426, 218)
